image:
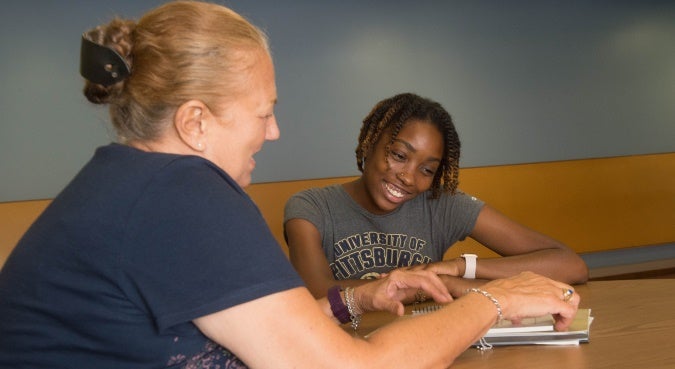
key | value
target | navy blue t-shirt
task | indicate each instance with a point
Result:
(136, 246)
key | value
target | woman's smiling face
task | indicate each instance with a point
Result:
(408, 170)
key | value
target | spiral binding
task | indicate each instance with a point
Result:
(425, 309)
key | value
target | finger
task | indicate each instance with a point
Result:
(565, 317)
(390, 305)
(429, 282)
(417, 267)
(432, 286)
(567, 302)
(439, 268)
(567, 293)
(396, 308)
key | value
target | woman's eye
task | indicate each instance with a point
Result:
(397, 156)
(428, 172)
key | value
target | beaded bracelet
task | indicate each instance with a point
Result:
(338, 307)
(494, 301)
(351, 306)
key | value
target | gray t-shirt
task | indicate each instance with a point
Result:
(359, 244)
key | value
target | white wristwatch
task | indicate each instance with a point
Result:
(470, 269)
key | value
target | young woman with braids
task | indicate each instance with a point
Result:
(154, 257)
(405, 210)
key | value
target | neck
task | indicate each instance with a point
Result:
(356, 189)
(163, 146)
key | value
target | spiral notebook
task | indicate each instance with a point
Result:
(537, 324)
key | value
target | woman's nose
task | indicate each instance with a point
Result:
(404, 177)
(272, 132)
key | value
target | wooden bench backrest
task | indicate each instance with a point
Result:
(590, 204)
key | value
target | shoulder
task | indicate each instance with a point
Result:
(460, 197)
(181, 187)
(315, 204)
(317, 195)
(159, 170)
(328, 191)
(447, 202)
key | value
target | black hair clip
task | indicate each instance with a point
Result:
(101, 64)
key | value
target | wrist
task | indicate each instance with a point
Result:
(359, 301)
(493, 299)
(337, 305)
(461, 266)
(457, 285)
(354, 310)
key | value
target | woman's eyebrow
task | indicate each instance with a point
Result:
(406, 143)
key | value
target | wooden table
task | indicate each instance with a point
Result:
(633, 328)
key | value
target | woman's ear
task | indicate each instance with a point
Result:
(190, 125)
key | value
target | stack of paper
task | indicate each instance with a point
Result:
(531, 331)
(536, 334)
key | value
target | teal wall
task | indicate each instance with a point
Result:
(526, 81)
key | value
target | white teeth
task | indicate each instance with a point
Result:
(393, 191)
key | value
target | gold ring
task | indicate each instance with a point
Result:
(420, 296)
(567, 294)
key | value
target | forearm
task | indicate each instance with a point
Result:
(523, 249)
(457, 286)
(319, 287)
(451, 334)
(441, 336)
(385, 294)
(432, 340)
(340, 308)
(325, 307)
(557, 264)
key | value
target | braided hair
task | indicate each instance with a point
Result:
(393, 113)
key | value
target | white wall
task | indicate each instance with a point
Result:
(526, 81)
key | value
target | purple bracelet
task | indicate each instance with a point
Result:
(338, 307)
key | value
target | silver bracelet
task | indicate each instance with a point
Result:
(351, 306)
(494, 301)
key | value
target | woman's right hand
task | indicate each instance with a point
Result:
(528, 295)
(389, 292)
